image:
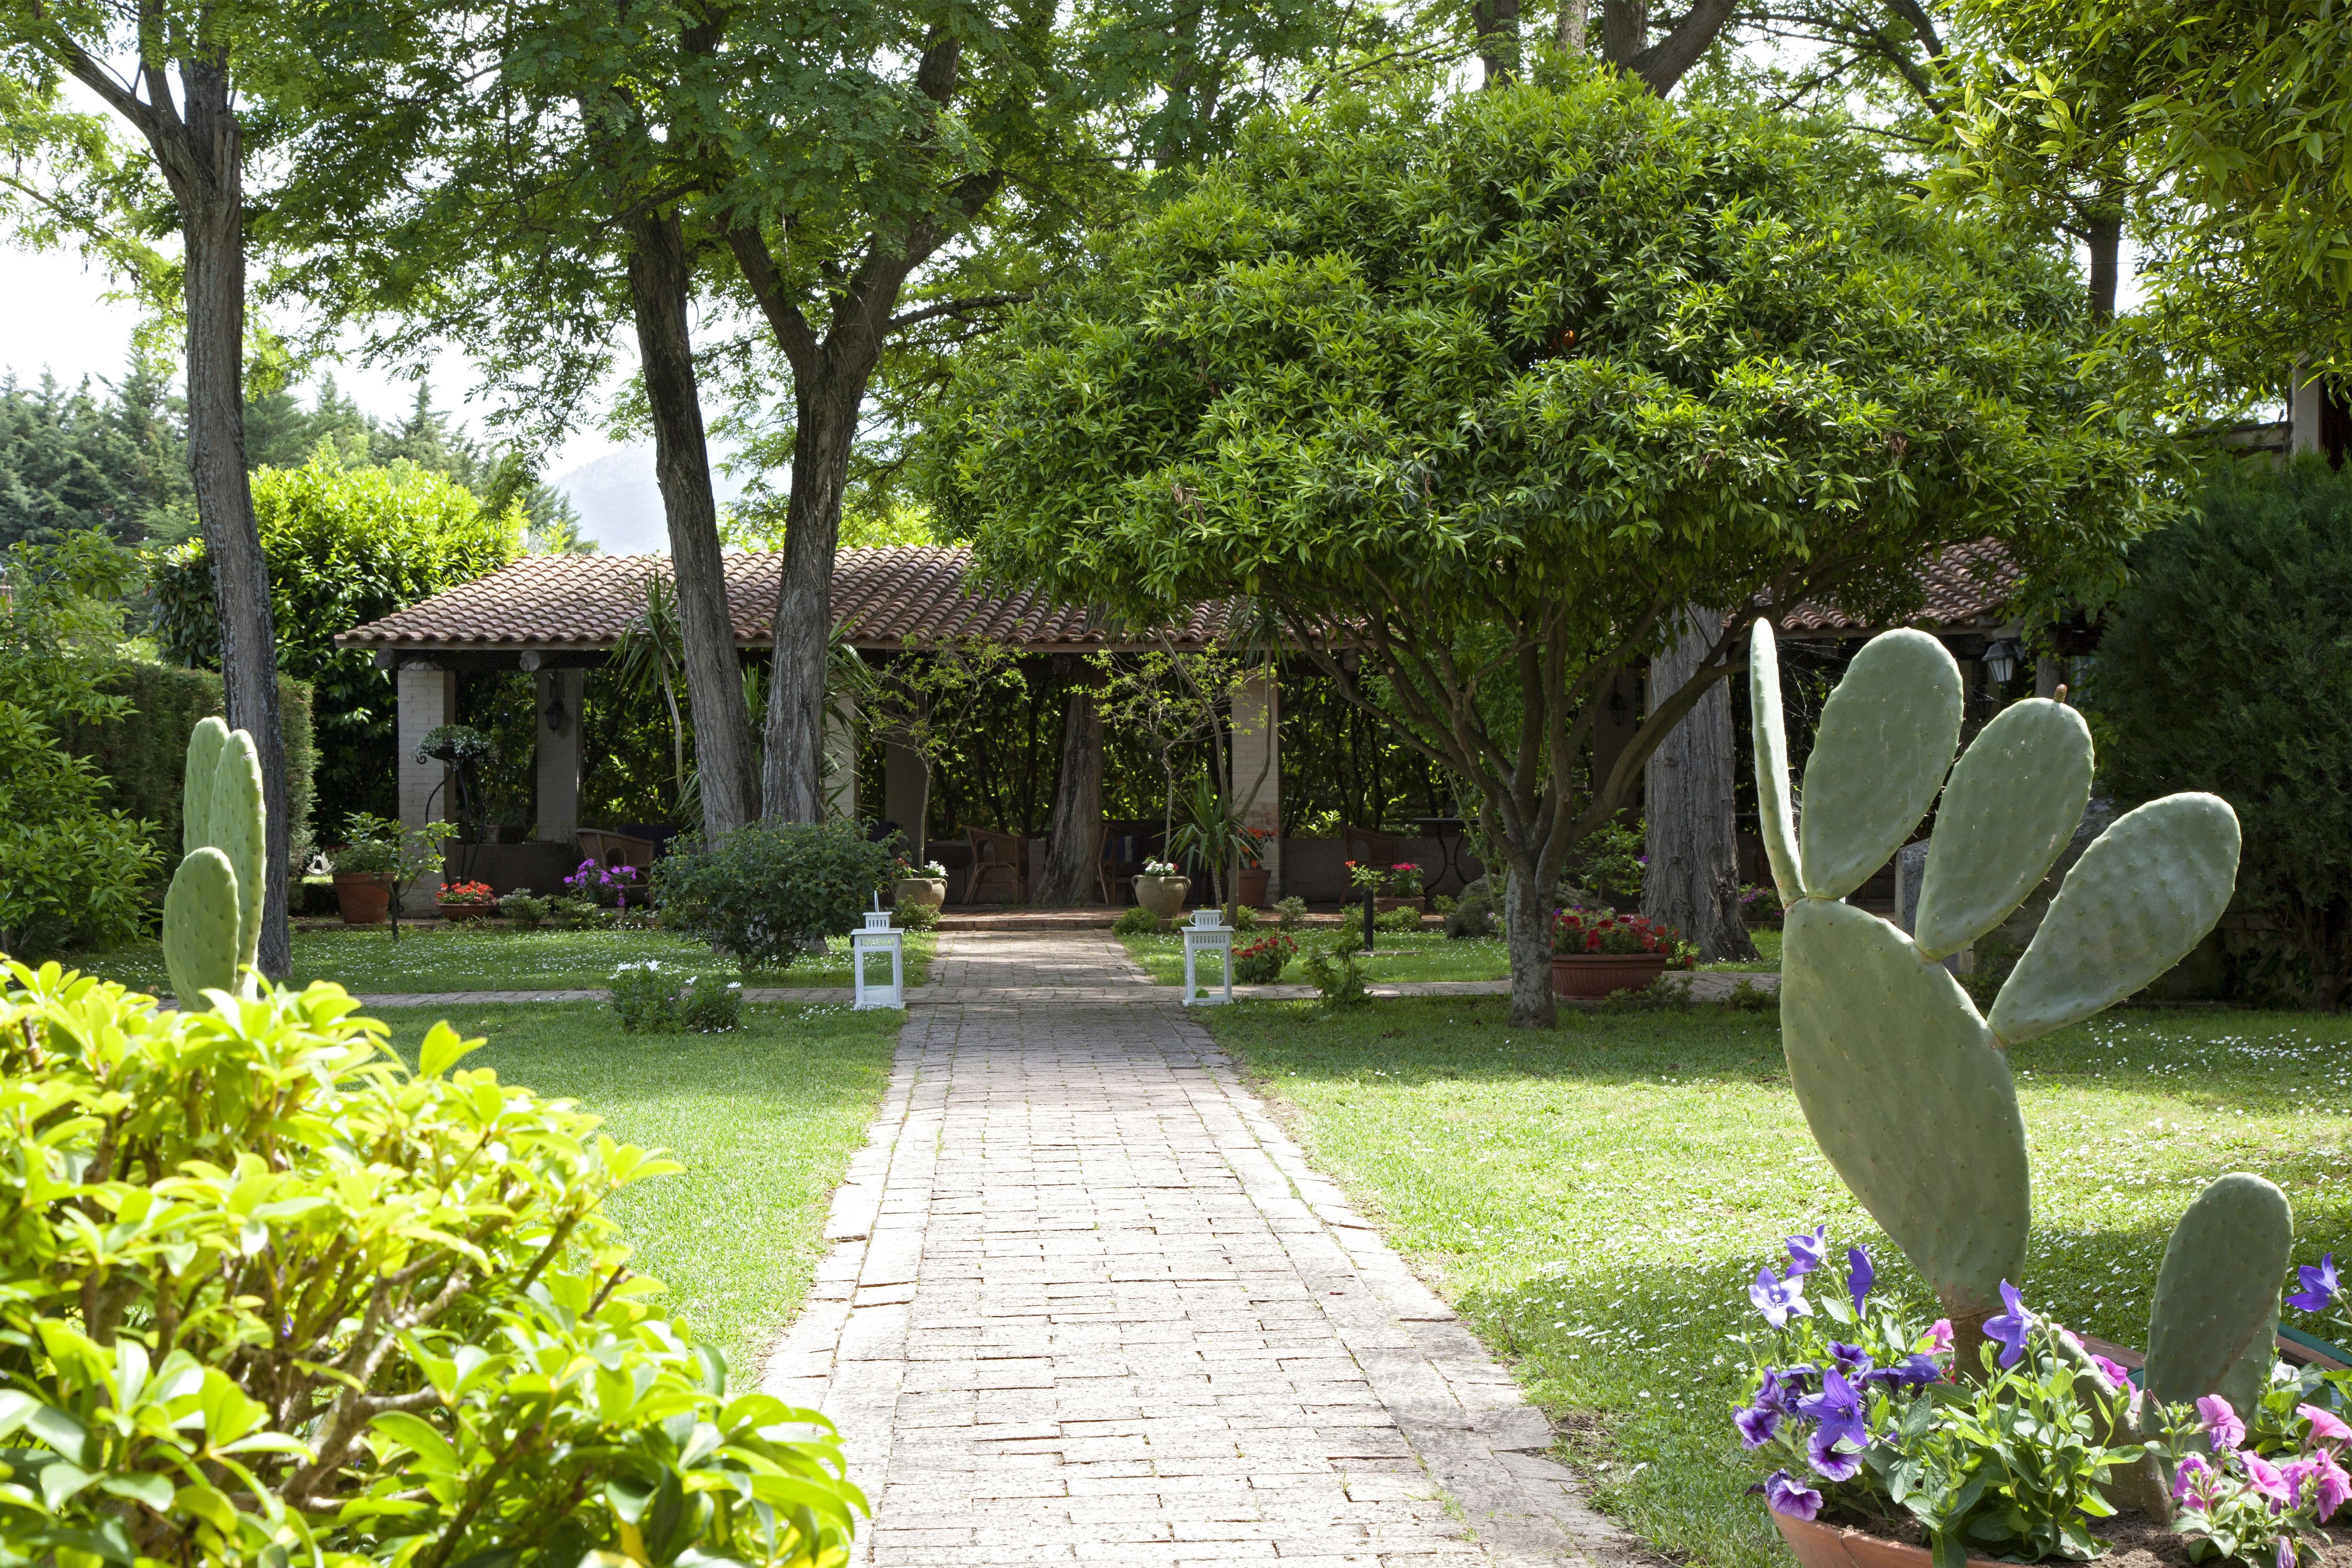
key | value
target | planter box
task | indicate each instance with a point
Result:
(1592, 975)
(1819, 1546)
(362, 897)
(1163, 896)
(931, 890)
(468, 911)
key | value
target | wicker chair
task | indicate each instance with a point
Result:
(1107, 875)
(997, 858)
(1368, 845)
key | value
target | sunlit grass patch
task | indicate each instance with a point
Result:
(1395, 956)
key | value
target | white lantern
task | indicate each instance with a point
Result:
(1206, 935)
(880, 937)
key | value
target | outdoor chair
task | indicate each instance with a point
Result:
(1107, 875)
(1368, 846)
(609, 848)
(997, 858)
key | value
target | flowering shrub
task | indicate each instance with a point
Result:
(652, 1000)
(1404, 879)
(1260, 963)
(468, 893)
(1579, 930)
(271, 1296)
(606, 886)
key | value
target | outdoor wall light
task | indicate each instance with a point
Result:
(555, 715)
(2000, 661)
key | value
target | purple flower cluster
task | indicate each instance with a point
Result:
(592, 880)
(2318, 1290)
(2315, 1484)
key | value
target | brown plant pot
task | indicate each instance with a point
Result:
(1250, 887)
(468, 911)
(362, 897)
(1418, 904)
(931, 890)
(1587, 975)
(1163, 896)
(1819, 1546)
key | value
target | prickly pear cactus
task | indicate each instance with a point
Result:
(1907, 1088)
(212, 913)
(2214, 1326)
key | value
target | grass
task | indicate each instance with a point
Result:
(478, 958)
(763, 1119)
(1593, 1200)
(1767, 954)
(1424, 955)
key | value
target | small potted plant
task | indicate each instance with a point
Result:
(924, 883)
(1161, 889)
(1596, 952)
(467, 902)
(364, 868)
(1401, 888)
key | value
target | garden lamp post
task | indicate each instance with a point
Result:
(880, 937)
(1207, 933)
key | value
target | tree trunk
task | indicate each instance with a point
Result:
(1527, 933)
(1497, 25)
(1692, 882)
(1072, 874)
(1573, 15)
(2105, 228)
(792, 761)
(204, 162)
(1624, 29)
(658, 287)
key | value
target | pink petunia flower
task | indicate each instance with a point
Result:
(2325, 1425)
(2331, 1487)
(2265, 1479)
(2221, 1420)
(1940, 1335)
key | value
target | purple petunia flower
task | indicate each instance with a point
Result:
(1807, 1248)
(1779, 1300)
(1852, 1360)
(2190, 1480)
(2220, 1418)
(1757, 1424)
(1838, 1409)
(1791, 1496)
(1859, 1274)
(2009, 1328)
(2285, 1556)
(1831, 1462)
(2318, 1285)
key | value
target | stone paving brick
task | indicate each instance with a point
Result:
(1088, 1303)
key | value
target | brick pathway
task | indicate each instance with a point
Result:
(1088, 1303)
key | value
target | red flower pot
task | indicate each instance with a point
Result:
(1249, 887)
(466, 912)
(362, 897)
(1590, 976)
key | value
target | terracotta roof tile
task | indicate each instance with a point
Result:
(885, 596)
(1965, 585)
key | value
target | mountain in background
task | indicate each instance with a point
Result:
(619, 501)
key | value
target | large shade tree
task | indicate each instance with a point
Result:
(1477, 395)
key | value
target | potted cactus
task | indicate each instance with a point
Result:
(1907, 1088)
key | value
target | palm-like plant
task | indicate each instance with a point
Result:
(1213, 835)
(649, 659)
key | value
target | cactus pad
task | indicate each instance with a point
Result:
(200, 926)
(1779, 822)
(1906, 1094)
(238, 828)
(2011, 807)
(2140, 897)
(1887, 739)
(2214, 1324)
(204, 746)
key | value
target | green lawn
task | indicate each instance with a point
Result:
(1425, 955)
(479, 958)
(1594, 1200)
(1767, 953)
(764, 1120)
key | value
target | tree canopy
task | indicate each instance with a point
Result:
(1483, 390)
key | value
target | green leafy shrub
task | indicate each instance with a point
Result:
(2225, 667)
(1138, 921)
(524, 908)
(655, 1000)
(1407, 918)
(339, 1312)
(1290, 914)
(767, 887)
(1245, 917)
(1336, 969)
(1444, 904)
(916, 916)
(574, 914)
(1260, 963)
(1473, 917)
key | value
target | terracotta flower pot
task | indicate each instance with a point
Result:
(1594, 974)
(362, 897)
(1163, 896)
(468, 911)
(1418, 904)
(931, 890)
(1250, 887)
(1819, 1546)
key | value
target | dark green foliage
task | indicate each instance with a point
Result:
(764, 888)
(110, 458)
(143, 750)
(652, 1000)
(1138, 921)
(345, 545)
(2228, 667)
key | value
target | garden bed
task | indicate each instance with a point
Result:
(1593, 1199)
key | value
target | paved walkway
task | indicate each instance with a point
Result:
(1086, 1302)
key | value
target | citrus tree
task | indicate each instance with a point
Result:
(1473, 395)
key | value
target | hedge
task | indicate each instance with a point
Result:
(144, 753)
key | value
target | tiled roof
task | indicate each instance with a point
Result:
(1965, 585)
(885, 596)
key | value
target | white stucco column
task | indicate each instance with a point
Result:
(841, 749)
(1257, 766)
(902, 790)
(558, 749)
(428, 699)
